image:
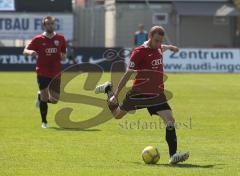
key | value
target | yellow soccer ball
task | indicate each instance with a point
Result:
(150, 155)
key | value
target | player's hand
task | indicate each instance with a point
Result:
(34, 54)
(173, 48)
(113, 100)
(63, 56)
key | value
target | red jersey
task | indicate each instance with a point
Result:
(149, 65)
(49, 54)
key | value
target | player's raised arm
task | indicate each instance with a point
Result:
(170, 47)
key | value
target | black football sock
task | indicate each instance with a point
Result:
(39, 96)
(43, 111)
(110, 93)
(171, 139)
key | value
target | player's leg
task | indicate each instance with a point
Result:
(165, 112)
(115, 109)
(118, 113)
(43, 106)
(54, 91)
(43, 83)
(171, 136)
(37, 103)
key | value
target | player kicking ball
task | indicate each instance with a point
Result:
(48, 48)
(148, 88)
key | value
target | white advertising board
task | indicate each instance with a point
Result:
(203, 60)
(27, 25)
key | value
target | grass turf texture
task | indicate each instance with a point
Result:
(211, 101)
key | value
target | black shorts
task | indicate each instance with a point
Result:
(52, 83)
(134, 101)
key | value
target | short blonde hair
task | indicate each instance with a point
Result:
(156, 30)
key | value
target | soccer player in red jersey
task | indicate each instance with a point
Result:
(147, 91)
(49, 48)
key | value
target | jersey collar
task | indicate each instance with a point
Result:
(145, 45)
(45, 34)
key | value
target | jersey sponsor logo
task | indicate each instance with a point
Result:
(51, 50)
(131, 64)
(56, 42)
(157, 62)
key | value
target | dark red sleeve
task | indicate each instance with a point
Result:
(64, 46)
(135, 60)
(33, 45)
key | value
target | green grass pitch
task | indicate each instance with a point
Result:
(207, 106)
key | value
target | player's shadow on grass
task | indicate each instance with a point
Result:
(179, 165)
(188, 165)
(76, 129)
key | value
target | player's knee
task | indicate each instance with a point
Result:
(117, 117)
(44, 98)
(53, 100)
(170, 121)
(119, 114)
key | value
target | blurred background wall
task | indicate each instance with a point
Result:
(113, 23)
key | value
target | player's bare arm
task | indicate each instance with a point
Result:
(28, 52)
(122, 83)
(170, 47)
